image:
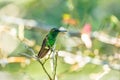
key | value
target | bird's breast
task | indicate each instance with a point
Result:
(51, 42)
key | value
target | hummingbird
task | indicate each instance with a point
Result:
(49, 41)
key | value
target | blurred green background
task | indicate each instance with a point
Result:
(26, 23)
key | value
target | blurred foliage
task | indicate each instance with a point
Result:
(50, 12)
(25, 23)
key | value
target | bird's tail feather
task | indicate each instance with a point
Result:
(43, 53)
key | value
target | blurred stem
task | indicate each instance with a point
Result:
(42, 63)
(44, 68)
(47, 58)
(55, 65)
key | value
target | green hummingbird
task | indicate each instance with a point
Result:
(49, 41)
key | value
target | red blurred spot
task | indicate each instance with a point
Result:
(87, 28)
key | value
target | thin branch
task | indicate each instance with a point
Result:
(42, 64)
(44, 68)
(47, 58)
(55, 65)
(27, 55)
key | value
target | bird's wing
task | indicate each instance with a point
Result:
(44, 49)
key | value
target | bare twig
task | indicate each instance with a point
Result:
(27, 55)
(42, 64)
(55, 66)
(55, 55)
(44, 68)
(47, 58)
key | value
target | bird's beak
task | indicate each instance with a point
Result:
(62, 29)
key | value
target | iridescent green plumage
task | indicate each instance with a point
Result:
(49, 41)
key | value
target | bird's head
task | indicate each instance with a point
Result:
(58, 30)
(55, 31)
